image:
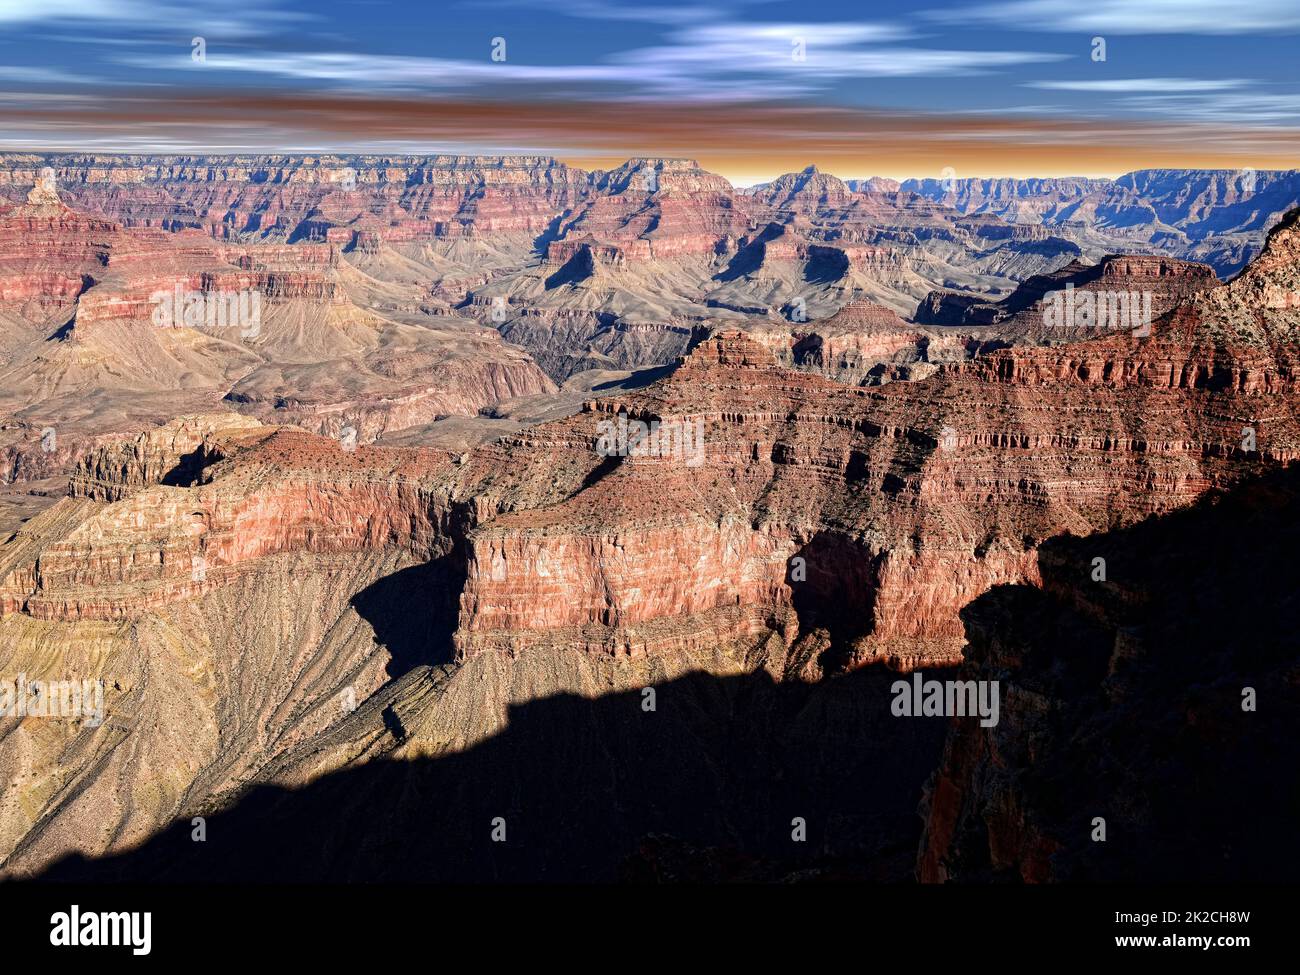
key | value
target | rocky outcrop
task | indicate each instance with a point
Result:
(808, 189)
(1119, 702)
(175, 453)
(45, 194)
(163, 542)
(1024, 312)
(914, 594)
(393, 391)
(868, 345)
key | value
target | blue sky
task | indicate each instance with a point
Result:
(93, 73)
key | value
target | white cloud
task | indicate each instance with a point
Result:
(25, 11)
(648, 13)
(40, 75)
(1133, 16)
(831, 51)
(383, 70)
(743, 61)
(1237, 108)
(751, 34)
(229, 18)
(1142, 84)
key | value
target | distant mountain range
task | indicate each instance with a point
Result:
(1212, 215)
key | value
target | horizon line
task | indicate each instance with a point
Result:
(600, 164)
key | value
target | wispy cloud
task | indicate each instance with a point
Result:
(228, 18)
(21, 11)
(382, 71)
(718, 61)
(40, 76)
(808, 54)
(1133, 16)
(666, 14)
(1231, 108)
(1142, 84)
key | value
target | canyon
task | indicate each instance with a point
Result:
(371, 548)
(400, 293)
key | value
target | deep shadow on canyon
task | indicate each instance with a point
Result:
(1120, 699)
(1164, 700)
(413, 612)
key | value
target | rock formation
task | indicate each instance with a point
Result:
(1024, 312)
(502, 240)
(1217, 216)
(285, 605)
(98, 337)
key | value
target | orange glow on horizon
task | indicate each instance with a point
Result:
(745, 143)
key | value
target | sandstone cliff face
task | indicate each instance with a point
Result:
(175, 453)
(304, 338)
(785, 460)
(287, 196)
(49, 255)
(158, 542)
(868, 345)
(1056, 467)
(230, 581)
(1023, 311)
